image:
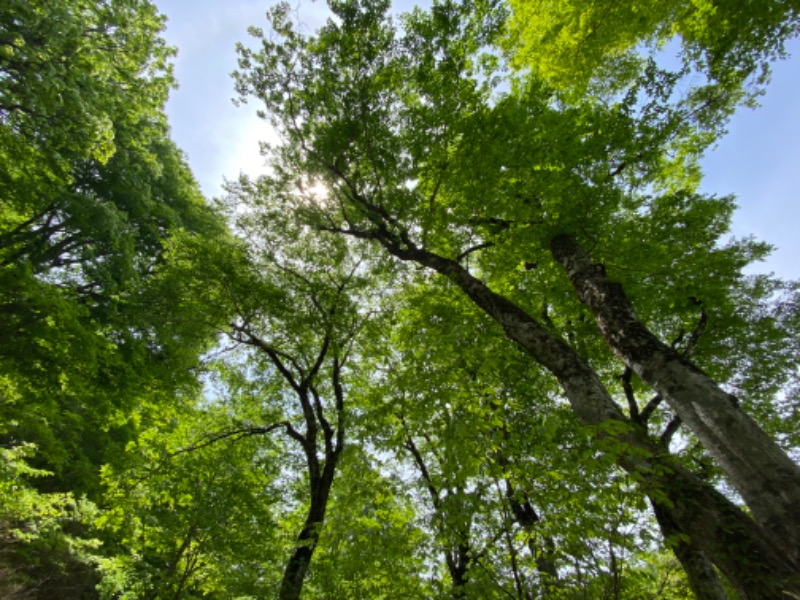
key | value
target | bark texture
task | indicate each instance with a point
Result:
(703, 578)
(734, 542)
(767, 479)
(741, 549)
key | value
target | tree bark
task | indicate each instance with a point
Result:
(295, 572)
(767, 479)
(733, 541)
(320, 484)
(703, 578)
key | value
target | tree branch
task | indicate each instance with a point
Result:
(236, 434)
(633, 406)
(469, 251)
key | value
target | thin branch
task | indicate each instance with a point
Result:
(633, 406)
(236, 434)
(469, 251)
(618, 169)
(326, 426)
(274, 355)
(423, 469)
(305, 280)
(296, 435)
(672, 427)
(650, 408)
(698, 331)
(323, 351)
(338, 392)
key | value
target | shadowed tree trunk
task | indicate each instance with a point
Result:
(765, 476)
(321, 472)
(734, 542)
(703, 579)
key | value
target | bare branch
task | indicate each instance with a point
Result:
(236, 435)
(274, 355)
(672, 427)
(423, 468)
(650, 408)
(469, 251)
(326, 426)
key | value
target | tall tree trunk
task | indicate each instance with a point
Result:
(767, 479)
(320, 474)
(732, 540)
(703, 578)
(295, 572)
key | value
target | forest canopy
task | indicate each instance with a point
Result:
(476, 334)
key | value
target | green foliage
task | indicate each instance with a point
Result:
(430, 149)
(447, 463)
(191, 518)
(91, 188)
(42, 535)
(371, 546)
(573, 44)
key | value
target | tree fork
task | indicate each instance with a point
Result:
(767, 479)
(741, 549)
(703, 579)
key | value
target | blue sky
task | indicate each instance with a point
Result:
(758, 161)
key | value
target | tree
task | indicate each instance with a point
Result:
(426, 156)
(86, 210)
(603, 46)
(293, 307)
(92, 188)
(306, 338)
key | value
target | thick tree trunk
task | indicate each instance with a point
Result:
(703, 578)
(730, 538)
(767, 479)
(756, 569)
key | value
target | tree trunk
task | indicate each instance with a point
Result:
(767, 479)
(295, 572)
(729, 537)
(703, 578)
(717, 528)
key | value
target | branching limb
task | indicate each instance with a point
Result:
(276, 357)
(324, 423)
(469, 251)
(669, 431)
(423, 468)
(650, 408)
(234, 435)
